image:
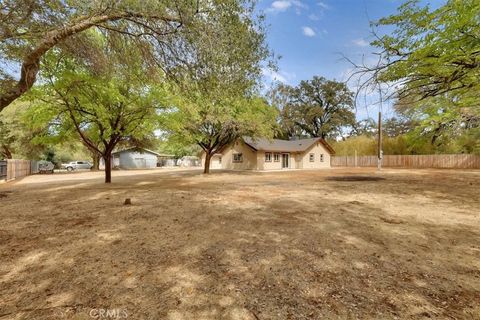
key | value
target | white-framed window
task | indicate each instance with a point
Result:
(268, 157)
(321, 157)
(276, 157)
(237, 157)
(312, 157)
(220, 160)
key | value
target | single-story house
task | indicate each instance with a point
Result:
(133, 158)
(189, 161)
(265, 154)
(166, 160)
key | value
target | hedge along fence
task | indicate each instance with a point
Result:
(12, 169)
(447, 161)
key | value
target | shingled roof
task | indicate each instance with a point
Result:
(277, 145)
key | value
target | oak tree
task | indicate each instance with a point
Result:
(315, 108)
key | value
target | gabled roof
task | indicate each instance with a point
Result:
(277, 145)
(141, 150)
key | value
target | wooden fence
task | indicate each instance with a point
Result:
(3, 170)
(453, 161)
(12, 169)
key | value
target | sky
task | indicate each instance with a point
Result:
(310, 36)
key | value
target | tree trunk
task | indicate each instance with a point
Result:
(6, 152)
(96, 162)
(206, 168)
(108, 167)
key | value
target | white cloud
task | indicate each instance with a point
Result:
(360, 42)
(284, 5)
(309, 32)
(280, 5)
(323, 5)
(320, 12)
(299, 4)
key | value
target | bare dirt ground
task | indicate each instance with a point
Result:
(340, 243)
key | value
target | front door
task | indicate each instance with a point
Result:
(285, 160)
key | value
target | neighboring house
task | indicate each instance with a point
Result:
(166, 160)
(189, 161)
(264, 154)
(133, 158)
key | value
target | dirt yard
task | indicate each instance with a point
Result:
(348, 244)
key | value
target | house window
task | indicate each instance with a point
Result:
(220, 160)
(268, 157)
(237, 157)
(312, 157)
(321, 157)
(276, 157)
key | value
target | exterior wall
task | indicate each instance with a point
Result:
(295, 161)
(272, 165)
(317, 149)
(298, 160)
(116, 161)
(137, 160)
(249, 158)
(215, 161)
(255, 160)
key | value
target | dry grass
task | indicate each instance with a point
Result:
(283, 245)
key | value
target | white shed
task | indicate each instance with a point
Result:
(135, 158)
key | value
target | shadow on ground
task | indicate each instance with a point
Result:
(287, 245)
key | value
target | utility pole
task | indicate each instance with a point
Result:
(380, 151)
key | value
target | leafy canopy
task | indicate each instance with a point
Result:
(107, 103)
(316, 108)
(176, 35)
(212, 119)
(432, 52)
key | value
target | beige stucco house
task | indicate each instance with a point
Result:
(264, 154)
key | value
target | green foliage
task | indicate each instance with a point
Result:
(397, 126)
(367, 146)
(433, 52)
(416, 141)
(117, 103)
(315, 108)
(18, 139)
(364, 145)
(212, 122)
(442, 125)
(121, 101)
(365, 127)
(177, 147)
(212, 114)
(63, 153)
(179, 36)
(7, 138)
(434, 57)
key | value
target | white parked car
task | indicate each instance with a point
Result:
(75, 165)
(45, 166)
